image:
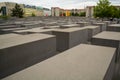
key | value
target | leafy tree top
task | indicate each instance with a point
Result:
(17, 11)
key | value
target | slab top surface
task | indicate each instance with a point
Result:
(69, 29)
(19, 40)
(70, 25)
(83, 62)
(114, 25)
(91, 27)
(108, 35)
(35, 30)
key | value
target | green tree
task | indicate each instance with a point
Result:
(72, 14)
(76, 14)
(82, 14)
(115, 12)
(33, 15)
(102, 9)
(17, 11)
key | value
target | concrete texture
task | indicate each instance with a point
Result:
(82, 24)
(19, 52)
(92, 30)
(102, 26)
(69, 26)
(112, 39)
(67, 38)
(114, 27)
(83, 62)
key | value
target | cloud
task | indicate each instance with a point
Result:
(68, 4)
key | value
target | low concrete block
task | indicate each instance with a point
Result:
(83, 62)
(19, 52)
(67, 38)
(114, 27)
(107, 38)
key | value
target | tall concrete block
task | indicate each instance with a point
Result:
(67, 38)
(19, 52)
(102, 26)
(83, 62)
(92, 30)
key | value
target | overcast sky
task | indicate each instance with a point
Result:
(66, 4)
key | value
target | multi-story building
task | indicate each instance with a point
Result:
(56, 11)
(7, 6)
(30, 9)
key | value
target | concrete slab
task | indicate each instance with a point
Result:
(19, 52)
(67, 38)
(83, 62)
(92, 30)
(69, 26)
(82, 24)
(114, 27)
(108, 38)
(102, 26)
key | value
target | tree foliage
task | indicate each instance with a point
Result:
(102, 9)
(82, 14)
(17, 11)
(105, 10)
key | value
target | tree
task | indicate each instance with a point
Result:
(17, 11)
(76, 14)
(72, 14)
(115, 12)
(102, 9)
(82, 14)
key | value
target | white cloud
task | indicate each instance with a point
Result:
(68, 4)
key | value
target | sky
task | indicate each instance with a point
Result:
(65, 4)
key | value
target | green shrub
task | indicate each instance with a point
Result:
(4, 17)
(33, 15)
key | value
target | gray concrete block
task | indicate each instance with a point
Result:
(92, 30)
(114, 27)
(69, 26)
(67, 38)
(102, 26)
(19, 52)
(83, 62)
(82, 24)
(107, 38)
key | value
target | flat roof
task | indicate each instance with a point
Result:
(114, 25)
(69, 29)
(7, 36)
(83, 62)
(108, 35)
(18, 40)
(91, 27)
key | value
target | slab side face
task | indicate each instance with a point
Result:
(18, 57)
(83, 62)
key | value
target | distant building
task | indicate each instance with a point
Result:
(56, 11)
(7, 6)
(30, 9)
(46, 12)
(90, 10)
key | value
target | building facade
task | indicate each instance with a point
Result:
(56, 11)
(7, 7)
